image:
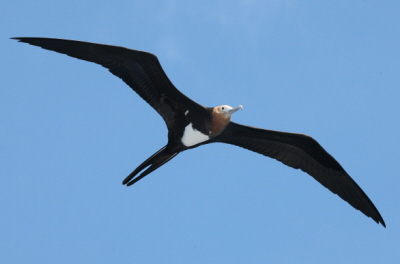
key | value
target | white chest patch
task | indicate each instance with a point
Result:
(192, 136)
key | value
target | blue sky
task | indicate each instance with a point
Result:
(71, 132)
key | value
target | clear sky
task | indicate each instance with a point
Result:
(70, 132)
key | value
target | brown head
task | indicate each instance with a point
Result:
(221, 117)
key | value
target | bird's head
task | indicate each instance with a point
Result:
(226, 111)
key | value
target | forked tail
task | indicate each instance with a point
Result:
(156, 160)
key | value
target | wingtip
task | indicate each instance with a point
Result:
(379, 220)
(27, 39)
(20, 39)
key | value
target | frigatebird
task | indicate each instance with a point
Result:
(191, 125)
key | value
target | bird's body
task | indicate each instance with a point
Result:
(191, 125)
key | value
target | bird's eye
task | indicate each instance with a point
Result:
(222, 108)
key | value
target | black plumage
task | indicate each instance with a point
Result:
(143, 73)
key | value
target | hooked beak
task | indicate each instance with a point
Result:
(233, 110)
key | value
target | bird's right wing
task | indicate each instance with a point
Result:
(300, 151)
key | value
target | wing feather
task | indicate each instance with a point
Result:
(140, 70)
(300, 151)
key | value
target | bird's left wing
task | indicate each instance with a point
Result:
(301, 152)
(140, 70)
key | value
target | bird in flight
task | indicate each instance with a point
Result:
(191, 125)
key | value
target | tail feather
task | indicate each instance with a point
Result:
(155, 161)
